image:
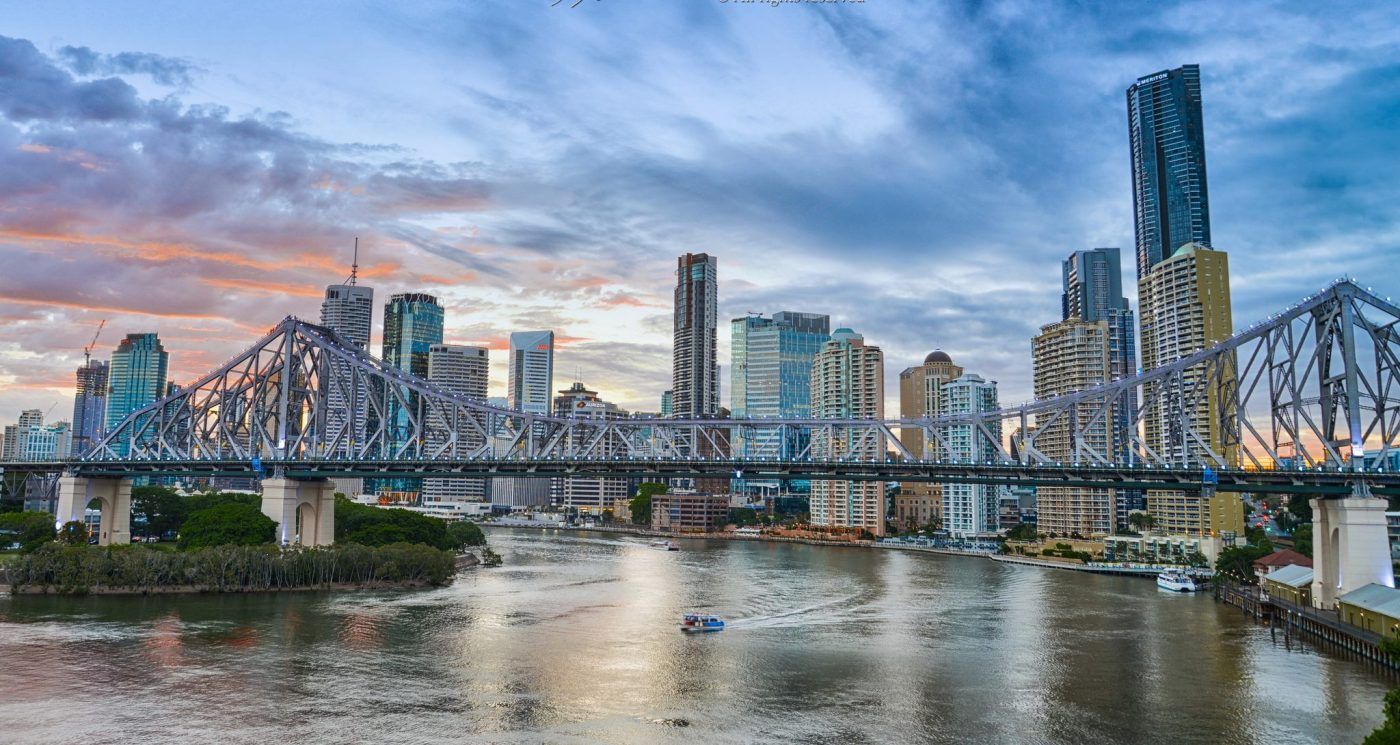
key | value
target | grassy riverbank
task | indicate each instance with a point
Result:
(82, 570)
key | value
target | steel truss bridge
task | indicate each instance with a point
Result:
(1290, 404)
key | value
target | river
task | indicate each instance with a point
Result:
(574, 641)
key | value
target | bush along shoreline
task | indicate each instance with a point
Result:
(81, 570)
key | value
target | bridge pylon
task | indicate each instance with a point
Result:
(1351, 548)
(114, 495)
(303, 510)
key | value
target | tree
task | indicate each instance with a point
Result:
(73, 533)
(1303, 539)
(1141, 520)
(1238, 562)
(1022, 532)
(742, 516)
(230, 524)
(462, 533)
(1259, 537)
(29, 529)
(161, 508)
(641, 503)
(378, 526)
(1388, 733)
(1300, 507)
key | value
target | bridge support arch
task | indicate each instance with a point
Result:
(1350, 546)
(303, 510)
(114, 494)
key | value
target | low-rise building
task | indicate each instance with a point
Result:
(1165, 549)
(1374, 608)
(1291, 584)
(1277, 560)
(689, 512)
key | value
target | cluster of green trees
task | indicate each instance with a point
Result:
(28, 529)
(377, 526)
(84, 569)
(1237, 562)
(640, 505)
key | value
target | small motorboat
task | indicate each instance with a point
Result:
(1177, 580)
(665, 545)
(695, 623)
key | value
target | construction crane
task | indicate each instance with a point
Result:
(87, 351)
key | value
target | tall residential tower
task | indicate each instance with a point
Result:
(694, 366)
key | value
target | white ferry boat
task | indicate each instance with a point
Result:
(1177, 580)
(664, 545)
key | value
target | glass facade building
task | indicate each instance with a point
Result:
(771, 376)
(136, 375)
(412, 325)
(694, 368)
(1170, 203)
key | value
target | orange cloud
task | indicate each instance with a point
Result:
(56, 303)
(268, 288)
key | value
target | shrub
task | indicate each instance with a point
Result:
(29, 529)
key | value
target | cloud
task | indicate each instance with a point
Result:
(167, 71)
(915, 170)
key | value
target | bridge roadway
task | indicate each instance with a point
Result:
(1327, 484)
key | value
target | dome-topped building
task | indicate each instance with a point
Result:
(937, 355)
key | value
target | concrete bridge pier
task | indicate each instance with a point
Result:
(1350, 546)
(114, 495)
(304, 510)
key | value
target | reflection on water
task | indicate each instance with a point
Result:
(575, 640)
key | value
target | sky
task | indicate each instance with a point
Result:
(917, 170)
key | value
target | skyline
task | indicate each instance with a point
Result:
(807, 209)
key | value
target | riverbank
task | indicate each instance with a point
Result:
(132, 570)
(649, 533)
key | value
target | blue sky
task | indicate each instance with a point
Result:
(916, 170)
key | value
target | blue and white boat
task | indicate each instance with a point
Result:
(695, 623)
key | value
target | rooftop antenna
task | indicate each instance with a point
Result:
(355, 263)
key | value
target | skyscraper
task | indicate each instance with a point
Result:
(412, 325)
(465, 371)
(1093, 292)
(667, 404)
(349, 310)
(1072, 356)
(920, 503)
(531, 371)
(89, 406)
(1170, 203)
(970, 509)
(770, 375)
(848, 382)
(694, 365)
(1185, 303)
(136, 376)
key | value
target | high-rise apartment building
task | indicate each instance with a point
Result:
(589, 496)
(89, 406)
(136, 376)
(770, 375)
(1093, 291)
(413, 323)
(464, 371)
(970, 509)
(16, 437)
(349, 311)
(1071, 356)
(531, 371)
(44, 442)
(694, 365)
(1185, 303)
(1165, 132)
(920, 503)
(848, 382)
